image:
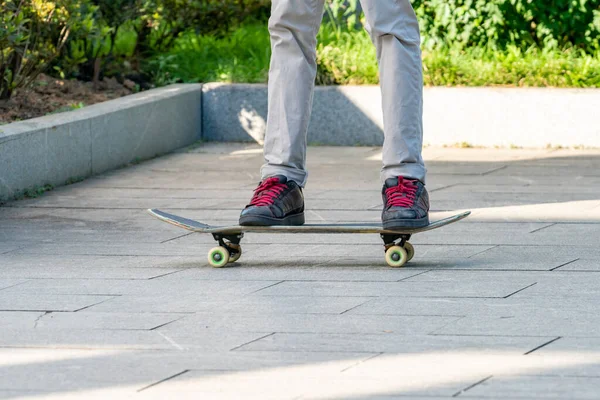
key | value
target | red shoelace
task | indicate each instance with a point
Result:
(402, 195)
(266, 193)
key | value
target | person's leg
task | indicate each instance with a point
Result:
(394, 29)
(278, 199)
(293, 27)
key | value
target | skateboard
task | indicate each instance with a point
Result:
(398, 250)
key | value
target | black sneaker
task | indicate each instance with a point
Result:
(405, 204)
(276, 201)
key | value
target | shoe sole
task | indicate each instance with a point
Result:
(399, 224)
(290, 220)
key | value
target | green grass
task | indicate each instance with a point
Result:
(513, 67)
(242, 56)
(348, 57)
(33, 192)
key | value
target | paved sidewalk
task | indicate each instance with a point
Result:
(98, 299)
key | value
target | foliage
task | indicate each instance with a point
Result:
(32, 35)
(343, 14)
(242, 56)
(500, 23)
(349, 58)
(517, 42)
(345, 57)
(163, 21)
(531, 67)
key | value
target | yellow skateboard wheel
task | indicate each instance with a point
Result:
(396, 256)
(218, 257)
(236, 256)
(410, 251)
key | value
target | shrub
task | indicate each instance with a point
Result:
(32, 35)
(502, 23)
(163, 21)
(92, 48)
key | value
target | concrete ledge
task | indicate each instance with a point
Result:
(56, 148)
(351, 115)
(77, 144)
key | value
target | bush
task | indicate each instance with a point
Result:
(163, 21)
(503, 23)
(32, 34)
(242, 56)
(126, 33)
(496, 23)
(92, 49)
(227, 40)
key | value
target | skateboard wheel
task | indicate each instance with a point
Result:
(236, 256)
(410, 251)
(396, 256)
(218, 257)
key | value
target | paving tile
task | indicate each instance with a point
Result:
(121, 249)
(43, 302)
(477, 278)
(153, 287)
(475, 284)
(392, 343)
(585, 345)
(319, 382)
(568, 212)
(546, 252)
(559, 284)
(211, 341)
(545, 322)
(86, 272)
(524, 257)
(8, 283)
(583, 265)
(322, 270)
(20, 319)
(162, 303)
(64, 370)
(117, 201)
(278, 306)
(77, 372)
(549, 191)
(106, 321)
(435, 372)
(571, 234)
(480, 308)
(485, 233)
(544, 387)
(22, 394)
(8, 247)
(302, 323)
(580, 355)
(458, 307)
(31, 235)
(88, 263)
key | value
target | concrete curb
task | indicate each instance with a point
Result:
(56, 148)
(351, 115)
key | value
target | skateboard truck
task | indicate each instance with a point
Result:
(394, 239)
(231, 243)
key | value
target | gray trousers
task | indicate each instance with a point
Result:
(394, 30)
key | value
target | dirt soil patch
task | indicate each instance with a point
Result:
(49, 95)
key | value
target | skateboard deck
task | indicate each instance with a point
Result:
(398, 249)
